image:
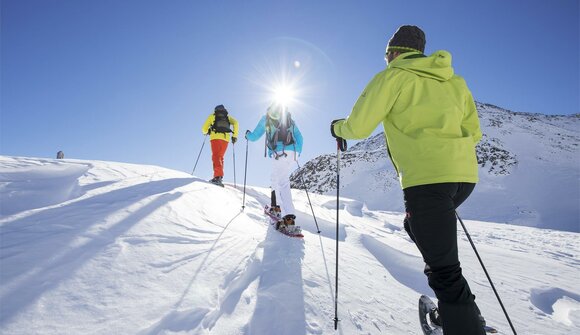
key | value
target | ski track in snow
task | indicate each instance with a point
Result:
(406, 269)
(130, 249)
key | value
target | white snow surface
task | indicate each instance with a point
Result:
(93, 247)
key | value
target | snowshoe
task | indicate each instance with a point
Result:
(274, 213)
(288, 227)
(433, 324)
(285, 225)
(435, 318)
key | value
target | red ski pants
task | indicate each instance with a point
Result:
(218, 150)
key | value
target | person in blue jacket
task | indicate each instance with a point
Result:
(284, 145)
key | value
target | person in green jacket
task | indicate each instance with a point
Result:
(431, 128)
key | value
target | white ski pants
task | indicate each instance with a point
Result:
(282, 168)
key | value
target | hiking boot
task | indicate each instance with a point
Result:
(280, 225)
(289, 219)
(276, 211)
(217, 181)
(482, 320)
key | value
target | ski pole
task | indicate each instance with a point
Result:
(234, 152)
(308, 196)
(197, 160)
(486, 274)
(245, 173)
(337, 221)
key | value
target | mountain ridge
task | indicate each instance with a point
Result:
(517, 150)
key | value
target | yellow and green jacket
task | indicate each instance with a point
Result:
(219, 136)
(429, 118)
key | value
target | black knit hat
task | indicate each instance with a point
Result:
(407, 38)
(219, 108)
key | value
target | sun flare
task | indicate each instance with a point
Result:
(289, 72)
(283, 95)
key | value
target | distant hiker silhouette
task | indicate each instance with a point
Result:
(60, 155)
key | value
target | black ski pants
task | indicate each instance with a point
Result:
(432, 225)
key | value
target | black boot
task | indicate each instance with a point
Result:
(217, 181)
(460, 319)
(435, 317)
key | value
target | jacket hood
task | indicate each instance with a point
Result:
(436, 66)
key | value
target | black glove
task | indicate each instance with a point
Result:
(247, 132)
(208, 131)
(340, 142)
(234, 140)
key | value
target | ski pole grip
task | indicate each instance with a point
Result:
(340, 142)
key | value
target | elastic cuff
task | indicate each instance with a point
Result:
(332, 128)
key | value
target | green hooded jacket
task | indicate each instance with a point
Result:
(429, 117)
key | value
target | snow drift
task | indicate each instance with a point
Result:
(92, 247)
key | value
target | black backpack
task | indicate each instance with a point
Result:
(279, 130)
(222, 121)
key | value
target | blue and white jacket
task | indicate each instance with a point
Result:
(261, 129)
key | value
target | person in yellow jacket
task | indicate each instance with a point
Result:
(218, 127)
(431, 128)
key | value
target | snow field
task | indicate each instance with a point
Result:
(146, 250)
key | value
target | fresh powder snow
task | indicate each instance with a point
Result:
(95, 247)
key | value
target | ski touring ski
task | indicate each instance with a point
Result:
(278, 223)
(430, 321)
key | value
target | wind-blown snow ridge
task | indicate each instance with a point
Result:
(145, 250)
(529, 171)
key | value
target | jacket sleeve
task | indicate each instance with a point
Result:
(258, 131)
(234, 122)
(370, 109)
(207, 124)
(470, 125)
(298, 139)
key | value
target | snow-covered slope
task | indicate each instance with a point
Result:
(529, 171)
(91, 247)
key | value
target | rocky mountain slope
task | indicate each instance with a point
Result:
(529, 171)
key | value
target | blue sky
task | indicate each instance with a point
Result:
(133, 80)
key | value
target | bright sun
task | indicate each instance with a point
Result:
(283, 95)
